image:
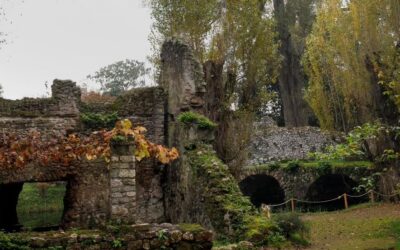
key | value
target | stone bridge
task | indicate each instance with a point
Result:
(275, 185)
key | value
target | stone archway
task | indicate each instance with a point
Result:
(328, 187)
(262, 188)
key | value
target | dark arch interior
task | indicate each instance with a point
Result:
(262, 189)
(329, 187)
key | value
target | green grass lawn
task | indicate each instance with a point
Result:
(41, 204)
(366, 227)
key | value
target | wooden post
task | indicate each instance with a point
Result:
(371, 196)
(292, 203)
(346, 204)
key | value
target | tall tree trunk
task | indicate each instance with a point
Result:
(292, 80)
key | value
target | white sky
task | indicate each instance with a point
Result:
(67, 39)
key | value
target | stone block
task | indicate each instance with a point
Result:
(116, 183)
(131, 194)
(127, 173)
(116, 195)
(127, 158)
(119, 210)
(128, 188)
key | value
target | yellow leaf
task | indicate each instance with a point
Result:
(126, 124)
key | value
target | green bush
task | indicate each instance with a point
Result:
(198, 119)
(257, 228)
(324, 168)
(275, 239)
(292, 166)
(8, 242)
(99, 120)
(274, 166)
(292, 227)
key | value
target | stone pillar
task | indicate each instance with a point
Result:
(123, 184)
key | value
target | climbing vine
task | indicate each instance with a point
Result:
(18, 150)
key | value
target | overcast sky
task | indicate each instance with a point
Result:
(67, 39)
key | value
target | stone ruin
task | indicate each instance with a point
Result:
(124, 190)
(127, 191)
(270, 143)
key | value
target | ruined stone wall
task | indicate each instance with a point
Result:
(144, 107)
(57, 113)
(181, 75)
(86, 202)
(147, 107)
(134, 237)
(271, 143)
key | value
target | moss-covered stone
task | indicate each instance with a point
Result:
(232, 215)
(194, 118)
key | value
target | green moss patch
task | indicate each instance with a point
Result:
(99, 120)
(320, 166)
(193, 228)
(232, 215)
(194, 118)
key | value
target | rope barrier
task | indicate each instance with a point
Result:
(334, 199)
(318, 202)
(280, 204)
(359, 196)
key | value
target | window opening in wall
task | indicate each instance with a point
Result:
(41, 205)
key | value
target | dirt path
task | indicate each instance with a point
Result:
(368, 227)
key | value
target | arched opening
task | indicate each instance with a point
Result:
(31, 206)
(329, 187)
(262, 189)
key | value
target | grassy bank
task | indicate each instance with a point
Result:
(364, 227)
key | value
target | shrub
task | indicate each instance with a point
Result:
(99, 120)
(8, 242)
(274, 166)
(195, 118)
(257, 229)
(292, 166)
(276, 239)
(324, 168)
(292, 227)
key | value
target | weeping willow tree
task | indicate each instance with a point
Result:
(352, 60)
(237, 42)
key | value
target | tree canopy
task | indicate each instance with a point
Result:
(237, 34)
(120, 76)
(352, 61)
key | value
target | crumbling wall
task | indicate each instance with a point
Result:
(147, 107)
(57, 113)
(86, 202)
(271, 143)
(133, 237)
(144, 107)
(181, 76)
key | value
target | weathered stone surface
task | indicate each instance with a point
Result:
(271, 143)
(150, 236)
